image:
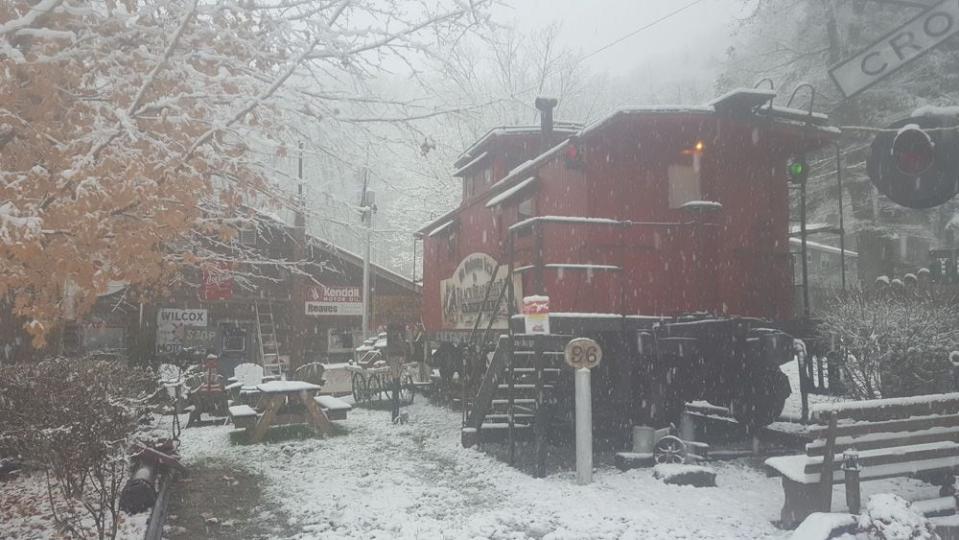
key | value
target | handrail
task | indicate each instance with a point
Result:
(484, 396)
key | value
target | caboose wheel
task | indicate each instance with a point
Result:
(762, 402)
(360, 389)
(669, 449)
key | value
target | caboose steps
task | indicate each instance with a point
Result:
(517, 392)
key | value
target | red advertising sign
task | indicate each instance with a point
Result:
(217, 282)
(536, 313)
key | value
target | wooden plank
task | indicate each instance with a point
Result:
(889, 409)
(825, 480)
(900, 454)
(318, 419)
(273, 404)
(889, 426)
(886, 440)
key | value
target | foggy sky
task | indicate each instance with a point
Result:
(699, 32)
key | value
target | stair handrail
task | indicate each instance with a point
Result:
(484, 396)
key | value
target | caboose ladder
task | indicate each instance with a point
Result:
(266, 336)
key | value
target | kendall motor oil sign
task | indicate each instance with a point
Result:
(334, 301)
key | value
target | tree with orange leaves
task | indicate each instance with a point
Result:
(128, 128)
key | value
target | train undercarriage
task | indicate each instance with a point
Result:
(515, 386)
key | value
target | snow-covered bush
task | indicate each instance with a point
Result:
(890, 517)
(74, 419)
(897, 343)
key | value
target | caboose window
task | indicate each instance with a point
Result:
(684, 185)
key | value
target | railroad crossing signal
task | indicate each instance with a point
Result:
(916, 37)
(915, 162)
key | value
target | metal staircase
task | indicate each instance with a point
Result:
(266, 337)
(521, 385)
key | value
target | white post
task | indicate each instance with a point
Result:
(584, 428)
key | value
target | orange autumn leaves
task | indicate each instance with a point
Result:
(96, 177)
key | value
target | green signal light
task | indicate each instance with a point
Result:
(798, 170)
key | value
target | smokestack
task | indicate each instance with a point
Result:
(545, 106)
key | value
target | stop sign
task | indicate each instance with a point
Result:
(915, 162)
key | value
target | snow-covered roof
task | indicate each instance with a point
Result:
(527, 167)
(442, 228)
(757, 94)
(377, 270)
(504, 196)
(558, 127)
(462, 170)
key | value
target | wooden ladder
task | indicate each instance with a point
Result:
(266, 336)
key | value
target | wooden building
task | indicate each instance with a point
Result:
(275, 296)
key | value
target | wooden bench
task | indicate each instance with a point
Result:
(243, 416)
(915, 436)
(335, 409)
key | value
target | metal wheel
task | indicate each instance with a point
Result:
(669, 449)
(374, 389)
(406, 390)
(360, 388)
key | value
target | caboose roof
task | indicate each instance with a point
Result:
(791, 122)
(788, 119)
(475, 150)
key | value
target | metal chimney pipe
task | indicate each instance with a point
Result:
(546, 106)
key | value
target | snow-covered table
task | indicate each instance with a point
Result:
(275, 394)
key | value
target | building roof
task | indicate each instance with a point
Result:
(379, 272)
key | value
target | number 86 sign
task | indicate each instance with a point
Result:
(583, 353)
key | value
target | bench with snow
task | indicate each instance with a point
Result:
(914, 436)
(243, 416)
(335, 408)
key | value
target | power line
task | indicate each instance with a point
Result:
(621, 39)
(641, 29)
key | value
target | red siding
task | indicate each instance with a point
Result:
(733, 261)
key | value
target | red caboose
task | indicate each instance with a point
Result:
(663, 231)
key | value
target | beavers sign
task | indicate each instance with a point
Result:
(335, 301)
(463, 293)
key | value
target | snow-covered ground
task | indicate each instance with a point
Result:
(414, 481)
(25, 512)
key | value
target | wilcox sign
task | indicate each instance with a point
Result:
(898, 48)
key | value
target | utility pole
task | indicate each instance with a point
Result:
(367, 208)
(297, 304)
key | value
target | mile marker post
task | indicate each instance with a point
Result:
(583, 354)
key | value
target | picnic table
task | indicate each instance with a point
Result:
(282, 403)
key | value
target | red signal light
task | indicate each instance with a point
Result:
(913, 151)
(573, 156)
